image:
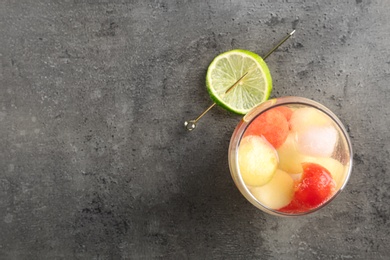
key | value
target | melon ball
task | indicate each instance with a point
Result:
(257, 160)
(306, 117)
(289, 157)
(277, 193)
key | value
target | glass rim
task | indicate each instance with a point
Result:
(246, 121)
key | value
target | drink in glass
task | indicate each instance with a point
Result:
(290, 156)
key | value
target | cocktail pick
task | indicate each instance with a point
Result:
(191, 124)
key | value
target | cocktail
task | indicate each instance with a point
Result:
(290, 156)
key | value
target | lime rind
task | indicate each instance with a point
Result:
(227, 68)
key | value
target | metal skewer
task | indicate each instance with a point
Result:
(191, 124)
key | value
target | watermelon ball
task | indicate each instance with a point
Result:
(315, 188)
(294, 207)
(316, 185)
(271, 124)
(287, 112)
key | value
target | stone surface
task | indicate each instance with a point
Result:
(94, 160)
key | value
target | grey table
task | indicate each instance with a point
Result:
(95, 162)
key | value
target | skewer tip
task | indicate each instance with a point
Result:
(291, 33)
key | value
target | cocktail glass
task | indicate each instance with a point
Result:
(316, 140)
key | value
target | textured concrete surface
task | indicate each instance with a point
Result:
(94, 161)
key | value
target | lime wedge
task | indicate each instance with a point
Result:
(229, 67)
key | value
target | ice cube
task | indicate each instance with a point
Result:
(317, 141)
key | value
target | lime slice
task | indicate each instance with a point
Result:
(229, 67)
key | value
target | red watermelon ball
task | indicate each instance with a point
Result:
(272, 124)
(314, 189)
(287, 112)
(316, 186)
(294, 207)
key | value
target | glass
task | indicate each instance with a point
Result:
(313, 140)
